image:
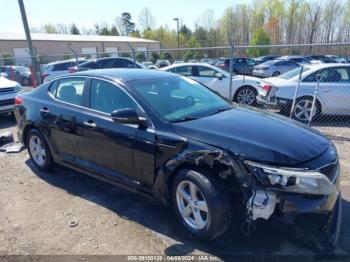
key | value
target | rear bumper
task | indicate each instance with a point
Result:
(273, 102)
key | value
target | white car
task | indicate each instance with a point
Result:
(59, 68)
(8, 91)
(332, 98)
(244, 88)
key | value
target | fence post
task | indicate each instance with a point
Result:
(231, 71)
(75, 55)
(133, 53)
(314, 99)
(296, 92)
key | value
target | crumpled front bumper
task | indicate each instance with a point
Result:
(289, 207)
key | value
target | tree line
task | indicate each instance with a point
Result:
(258, 23)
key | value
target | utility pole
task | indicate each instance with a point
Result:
(178, 35)
(29, 42)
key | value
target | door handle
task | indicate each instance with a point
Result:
(45, 110)
(326, 90)
(90, 124)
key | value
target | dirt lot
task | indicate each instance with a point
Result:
(36, 209)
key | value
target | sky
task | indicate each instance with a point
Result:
(85, 13)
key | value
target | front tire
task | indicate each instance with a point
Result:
(302, 110)
(39, 151)
(201, 203)
(275, 74)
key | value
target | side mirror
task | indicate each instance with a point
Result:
(219, 75)
(128, 116)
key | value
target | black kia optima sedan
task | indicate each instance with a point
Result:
(171, 138)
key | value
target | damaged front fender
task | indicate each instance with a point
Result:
(225, 165)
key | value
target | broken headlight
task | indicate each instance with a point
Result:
(292, 180)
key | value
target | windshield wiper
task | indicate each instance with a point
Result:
(184, 119)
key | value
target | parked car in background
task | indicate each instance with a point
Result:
(55, 69)
(332, 98)
(174, 140)
(301, 60)
(244, 88)
(241, 65)
(274, 68)
(178, 62)
(205, 61)
(328, 59)
(162, 63)
(193, 61)
(20, 74)
(8, 91)
(107, 62)
(149, 65)
(263, 59)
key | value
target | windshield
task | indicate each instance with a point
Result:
(22, 69)
(179, 98)
(293, 73)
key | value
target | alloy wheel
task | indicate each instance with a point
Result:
(192, 205)
(302, 110)
(37, 150)
(246, 96)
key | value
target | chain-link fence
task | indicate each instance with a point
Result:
(304, 85)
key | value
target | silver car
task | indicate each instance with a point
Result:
(59, 68)
(274, 68)
(8, 91)
(332, 97)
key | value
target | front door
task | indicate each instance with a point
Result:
(123, 152)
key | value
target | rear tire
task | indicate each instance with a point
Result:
(246, 95)
(39, 151)
(201, 203)
(276, 74)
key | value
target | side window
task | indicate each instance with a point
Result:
(70, 90)
(311, 78)
(107, 63)
(124, 63)
(182, 70)
(53, 88)
(60, 67)
(334, 75)
(206, 71)
(250, 62)
(106, 97)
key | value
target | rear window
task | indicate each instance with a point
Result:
(62, 66)
(293, 73)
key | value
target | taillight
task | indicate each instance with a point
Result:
(72, 70)
(266, 88)
(18, 100)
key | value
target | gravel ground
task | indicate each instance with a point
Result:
(67, 213)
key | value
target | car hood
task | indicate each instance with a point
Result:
(257, 136)
(5, 83)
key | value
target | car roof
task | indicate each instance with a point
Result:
(66, 61)
(187, 64)
(322, 66)
(125, 74)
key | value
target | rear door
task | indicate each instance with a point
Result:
(122, 152)
(63, 117)
(335, 89)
